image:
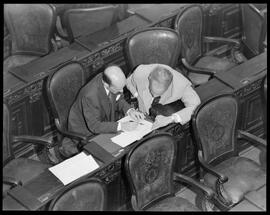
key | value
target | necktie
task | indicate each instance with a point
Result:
(152, 112)
(155, 101)
(112, 98)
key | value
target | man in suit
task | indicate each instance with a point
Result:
(159, 83)
(98, 102)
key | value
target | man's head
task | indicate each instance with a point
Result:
(159, 81)
(114, 79)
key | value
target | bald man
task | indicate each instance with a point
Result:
(98, 104)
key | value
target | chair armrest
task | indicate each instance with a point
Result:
(33, 139)
(209, 193)
(235, 46)
(11, 181)
(234, 42)
(197, 69)
(221, 177)
(71, 134)
(251, 138)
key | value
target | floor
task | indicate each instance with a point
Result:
(251, 152)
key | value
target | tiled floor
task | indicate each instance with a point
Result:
(252, 153)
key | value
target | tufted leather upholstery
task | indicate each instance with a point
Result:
(21, 169)
(31, 27)
(189, 24)
(153, 45)
(83, 21)
(87, 195)
(215, 126)
(253, 28)
(149, 167)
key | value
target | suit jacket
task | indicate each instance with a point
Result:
(90, 113)
(180, 88)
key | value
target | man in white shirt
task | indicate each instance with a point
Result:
(160, 83)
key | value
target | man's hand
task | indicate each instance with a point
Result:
(129, 126)
(162, 121)
(136, 115)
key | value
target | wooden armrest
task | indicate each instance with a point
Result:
(208, 192)
(11, 181)
(221, 177)
(208, 39)
(33, 139)
(71, 134)
(251, 138)
(197, 69)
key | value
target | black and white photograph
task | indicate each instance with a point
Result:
(134, 107)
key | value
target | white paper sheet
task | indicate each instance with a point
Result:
(126, 138)
(74, 168)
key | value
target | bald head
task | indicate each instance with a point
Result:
(114, 78)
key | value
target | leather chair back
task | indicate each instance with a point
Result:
(63, 86)
(264, 103)
(83, 21)
(87, 195)
(189, 25)
(31, 27)
(153, 45)
(253, 28)
(7, 152)
(149, 167)
(214, 124)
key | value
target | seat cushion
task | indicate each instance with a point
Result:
(17, 60)
(244, 175)
(209, 62)
(173, 204)
(24, 169)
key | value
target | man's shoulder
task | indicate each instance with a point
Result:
(143, 70)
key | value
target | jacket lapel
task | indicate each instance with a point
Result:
(104, 100)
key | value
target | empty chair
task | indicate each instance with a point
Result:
(83, 21)
(63, 86)
(19, 170)
(86, 195)
(153, 45)
(200, 67)
(149, 167)
(215, 127)
(31, 27)
(253, 30)
(264, 108)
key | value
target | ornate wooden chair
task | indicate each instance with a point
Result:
(19, 170)
(86, 195)
(63, 86)
(215, 127)
(149, 167)
(264, 107)
(253, 29)
(31, 27)
(200, 67)
(153, 45)
(82, 21)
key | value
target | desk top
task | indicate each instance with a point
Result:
(247, 72)
(94, 40)
(43, 66)
(155, 12)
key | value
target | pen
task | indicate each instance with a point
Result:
(137, 122)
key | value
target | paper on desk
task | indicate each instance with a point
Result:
(74, 168)
(126, 138)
